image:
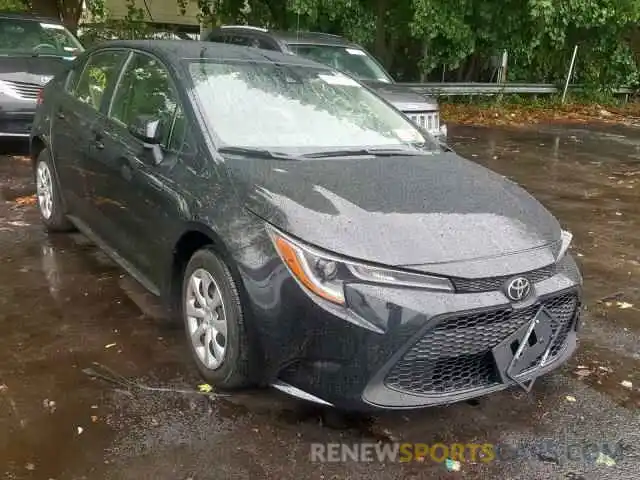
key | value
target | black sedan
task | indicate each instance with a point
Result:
(308, 235)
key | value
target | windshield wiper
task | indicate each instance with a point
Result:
(376, 152)
(257, 152)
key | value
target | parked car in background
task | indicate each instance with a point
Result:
(32, 50)
(307, 234)
(342, 55)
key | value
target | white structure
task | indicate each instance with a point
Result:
(156, 11)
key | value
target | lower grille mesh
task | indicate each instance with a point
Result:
(455, 355)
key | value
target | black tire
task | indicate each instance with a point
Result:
(57, 220)
(234, 371)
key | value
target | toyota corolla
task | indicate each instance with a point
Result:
(306, 233)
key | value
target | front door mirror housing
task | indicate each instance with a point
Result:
(148, 128)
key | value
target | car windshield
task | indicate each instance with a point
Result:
(36, 38)
(351, 60)
(303, 108)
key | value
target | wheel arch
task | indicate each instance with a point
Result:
(194, 237)
(36, 146)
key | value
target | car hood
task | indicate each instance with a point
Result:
(29, 69)
(402, 97)
(421, 211)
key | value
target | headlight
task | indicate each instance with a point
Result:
(565, 238)
(325, 275)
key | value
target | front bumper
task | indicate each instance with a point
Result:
(16, 117)
(396, 348)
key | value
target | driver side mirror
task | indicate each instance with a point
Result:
(149, 129)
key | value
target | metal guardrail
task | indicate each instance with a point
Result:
(494, 88)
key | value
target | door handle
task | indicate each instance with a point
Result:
(98, 140)
(127, 166)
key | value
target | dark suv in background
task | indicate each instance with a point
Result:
(342, 55)
(32, 50)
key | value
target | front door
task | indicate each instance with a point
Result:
(137, 193)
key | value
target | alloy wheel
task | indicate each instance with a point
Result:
(206, 318)
(44, 190)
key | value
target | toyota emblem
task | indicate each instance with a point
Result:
(518, 289)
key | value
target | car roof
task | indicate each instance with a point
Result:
(173, 51)
(314, 38)
(29, 16)
(292, 37)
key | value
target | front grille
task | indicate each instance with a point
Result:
(490, 284)
(430, 121)
(25, 89)
(455, 355)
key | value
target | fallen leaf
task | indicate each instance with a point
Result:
(28, 200)
(605, 460)
(205, 388)
(30, 466)
(49, 405)
(3, 387)
(605, 369)
(80, 430)
(110, 345)
(94, 419)
(582, 373)
(570, 398)
(626, 384)
(624, 305)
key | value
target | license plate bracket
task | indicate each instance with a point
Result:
(516, 353)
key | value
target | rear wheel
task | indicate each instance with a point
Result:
(214, 321)
(49, 197)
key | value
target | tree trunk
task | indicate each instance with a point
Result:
(68, 11)
(380, 46)
(46, 8)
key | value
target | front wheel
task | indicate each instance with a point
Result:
(49, 197)
(214, 321)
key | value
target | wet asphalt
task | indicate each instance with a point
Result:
(64, 306)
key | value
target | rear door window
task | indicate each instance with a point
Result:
(98, 75)
(236, 39)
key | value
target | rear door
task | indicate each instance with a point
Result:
(73, 127)
(69, 123)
